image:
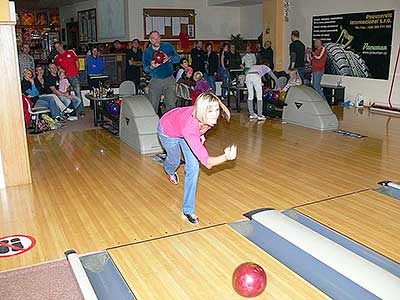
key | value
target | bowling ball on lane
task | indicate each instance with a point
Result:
(275, 95)
(249, 280)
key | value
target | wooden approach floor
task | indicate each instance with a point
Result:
(200, 264)
(92, 192)
(369, 218)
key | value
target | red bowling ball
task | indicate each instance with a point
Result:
(249, 280)
(159, 57)
(275, 95)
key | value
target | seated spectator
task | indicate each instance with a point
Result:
(294, 79)
(41, 87)
(52, 85)
(183, 64)
(187, 79)
(29, 89)
(202, 85)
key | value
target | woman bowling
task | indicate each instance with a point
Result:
(183, 129)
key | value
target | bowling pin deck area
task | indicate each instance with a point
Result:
(93, 193)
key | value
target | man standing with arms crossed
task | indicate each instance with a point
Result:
(68, 61)
(162, 79)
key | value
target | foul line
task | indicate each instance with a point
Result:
(165, 236)
(331, 198)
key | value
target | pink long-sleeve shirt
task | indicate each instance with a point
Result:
(180, 123)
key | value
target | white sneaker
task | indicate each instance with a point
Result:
(68, 110)
(261, 118)
(72, 118)
(253, 116)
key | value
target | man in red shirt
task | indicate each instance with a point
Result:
(68, 61)
(318, 66)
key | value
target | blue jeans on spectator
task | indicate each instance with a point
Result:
(76, 86)
(224, 75)
(301, 73)
(75, 101)
(173, 148)
(316, 82)
(211, 82)
(46, 101)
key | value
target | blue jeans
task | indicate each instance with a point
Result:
(316, 82)
(211, 82)
(76, 102)
(173, 147)
(76, 86)
(301, 73)
(225, 77)
(47, 101)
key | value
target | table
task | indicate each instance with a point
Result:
(333, 93)
(99, 113)
(238, 89)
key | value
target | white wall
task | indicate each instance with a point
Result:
(71, 11)
(251, 19)
(373, 90)
(212, 22)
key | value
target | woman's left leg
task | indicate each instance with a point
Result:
(192, 169)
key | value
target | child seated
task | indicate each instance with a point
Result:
(294, 79)
(66, 97)
(202, 85)
(187, 79)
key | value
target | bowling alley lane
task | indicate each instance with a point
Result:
(369, 218)
(200, 264)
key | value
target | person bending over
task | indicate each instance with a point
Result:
(254, 82)
(183, 129)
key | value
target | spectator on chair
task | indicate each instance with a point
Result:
(162, 79)
(68, 61)
(187, 79)
(25, 60)
(40, 83)
(198, 57)
(52, 84)
(29, 89)
(183, 64)
(211, 66)
(202, 85)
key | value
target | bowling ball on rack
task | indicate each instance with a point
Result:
(275, 95)
(249, 279)
(282, 95)
(268, 96)
(159, 57)
(118, 101)
(114, 109)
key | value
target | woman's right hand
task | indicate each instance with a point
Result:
(230, 152)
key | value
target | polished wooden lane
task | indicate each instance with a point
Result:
(199, 265)
(369, 218)
(90, 191)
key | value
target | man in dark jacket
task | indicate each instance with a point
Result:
(267, 54)
(211, 66)
(198, 57)
(297, 52)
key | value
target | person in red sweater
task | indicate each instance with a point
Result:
(68, 61)
(318, 66)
